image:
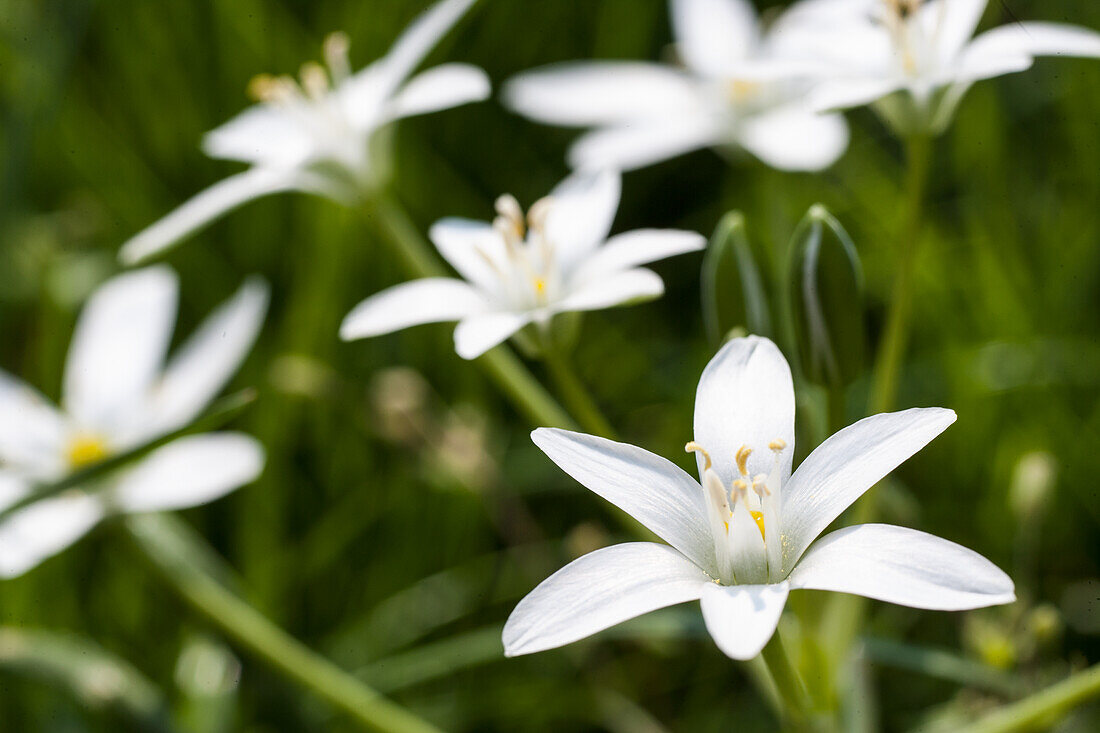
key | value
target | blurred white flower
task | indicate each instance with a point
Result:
(118, 394)
(739, 540)
(734, 89)
(521, 271)
(869, 49)
(314, 134)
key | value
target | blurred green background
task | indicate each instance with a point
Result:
(404, 510)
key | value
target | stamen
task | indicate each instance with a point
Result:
(777, 445)
(314, 80)
(740, 490)
(760, 485)
(335, 50)
(536, 215)
(742, 459)
(693, 447)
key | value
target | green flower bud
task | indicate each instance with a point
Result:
(732, 289)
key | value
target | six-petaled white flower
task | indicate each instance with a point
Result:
(521, 270)
(314, 134)
(118, 395)
(739, 539)
(734, 90)
(867, 50)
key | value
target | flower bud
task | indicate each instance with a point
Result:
(732, 290)
(1033, 479)
(825, 289)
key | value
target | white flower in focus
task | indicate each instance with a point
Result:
(118, 394)
(314, 134)
(869, 49)
(740, 538)
(734, 89)
(521, 270)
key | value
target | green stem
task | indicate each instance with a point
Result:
(266, 641)
(891, 350)
(418, 260)
(792, 691)
(1044, 708)
(572, 389)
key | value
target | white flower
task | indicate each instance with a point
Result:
(119, 394)
(738, 542)
(314, 135)
(734, 90)
(869, 49)
(519, 272)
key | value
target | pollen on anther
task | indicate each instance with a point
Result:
(693, 447)
(777, 445)
(742, 459)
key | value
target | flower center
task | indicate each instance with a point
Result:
(750, 504)
(86, 449)
(741, 91)
(529, 273)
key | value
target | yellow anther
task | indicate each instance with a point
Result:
(335, 50)
(84, 450)
(777, 445)
(759, 518)
(694, 447)
(740, 489)
(262, 87)
(742, 458)
(314, 79)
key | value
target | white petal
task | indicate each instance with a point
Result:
(443, 87)
(903, 566)
(206, 361)
(599, 590)
(262, 134)
(713, 35)
(639, 247)
(428, 300)
(418, 39)
(473, 248)
(118, 348)
(1037, 39)
(951, 23)
(476, 334)
(745, 398)
(646, 141)
(845, 93)
(204, 208)
(190, 471)
(581, 211)
(43, 529)
(649, 488)
(620, 288)
(848, 463)
(742, 618)
(31, 430)
(795, 138)
(599, 93)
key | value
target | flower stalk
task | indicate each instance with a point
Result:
(255, 633)
(572, 389)
(792, 690)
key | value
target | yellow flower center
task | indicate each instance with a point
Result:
(740, 90)
(86, 449)
(758, 517)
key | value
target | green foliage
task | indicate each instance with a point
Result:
(399, 520)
